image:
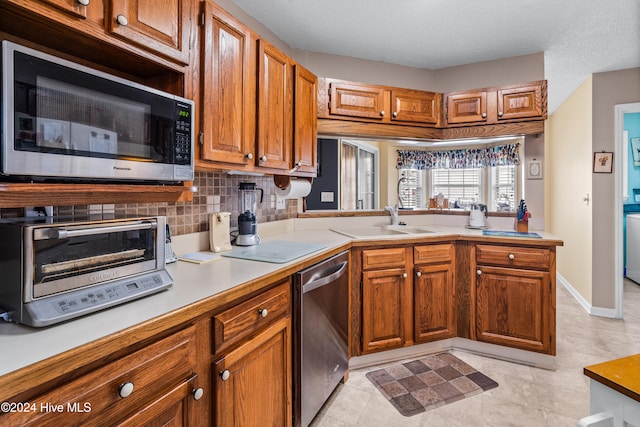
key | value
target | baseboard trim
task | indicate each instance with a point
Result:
(523, 357)
(594, 311)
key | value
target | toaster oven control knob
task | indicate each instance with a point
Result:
(122, 20)
(125, 389)
(83, 2)
(225, 375)
(249, 156)
(197, 393)
(263, 312)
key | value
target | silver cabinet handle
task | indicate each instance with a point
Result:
(83, 2)
(263, 158)
(122, 20)
(249, 156)
(405, 275)
(418, 273)
(125, 389)
(197, 393)
(479, 272)
(382, 113)
(263, 312)
(225, 375)
(395, 114)
(484, 115)
(512, 256)
(499, 113)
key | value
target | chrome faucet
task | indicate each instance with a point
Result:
(394, 213)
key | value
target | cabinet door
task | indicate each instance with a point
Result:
(520, 102)
(253, 382)
(228, 88)
(172, 409)
(162, 27)
(73, 7)
(274, 107)
(467, 107)
(415, 106)
(433, 295)
(383, 308)
(305, 120)
(514, 308)
(356, 100)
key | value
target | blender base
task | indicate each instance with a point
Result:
(247, 240)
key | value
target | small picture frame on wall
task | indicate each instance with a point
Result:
(534, 169)
(603, 162)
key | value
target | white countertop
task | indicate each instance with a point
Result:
(23, 345)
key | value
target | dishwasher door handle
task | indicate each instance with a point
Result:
(323, 280)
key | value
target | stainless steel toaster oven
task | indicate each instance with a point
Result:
(56, 269)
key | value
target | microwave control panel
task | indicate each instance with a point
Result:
(183, 143)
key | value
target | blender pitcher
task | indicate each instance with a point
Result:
(247, 222)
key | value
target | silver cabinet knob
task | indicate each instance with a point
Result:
(125, 389)
(479, 272)
(395, 114)
(512, 256)
(122, 20)
(382, 113)
(225, 375)
(197, 393)
(263, 312)
(249, 156)
(418, 273)
(499, 113)
(263, 158)
(484, 115)
(405, 275)
(83, 2)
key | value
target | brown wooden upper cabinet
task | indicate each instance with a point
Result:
(380, 103)
(73, 7)
(162, 27)
(258, 106)
(522, 102)
(275, 92)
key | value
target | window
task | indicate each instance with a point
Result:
(461, 185)
(411, 188)
(358, 175)
(503, 188)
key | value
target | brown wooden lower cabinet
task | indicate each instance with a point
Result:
(433, 299)
(383, 308)
(513, 308)
(152, 386)
(253, 382)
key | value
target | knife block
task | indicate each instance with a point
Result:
(522, 226)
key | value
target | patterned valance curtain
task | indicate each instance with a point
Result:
(501, 155)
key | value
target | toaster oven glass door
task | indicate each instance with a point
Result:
(68, 258)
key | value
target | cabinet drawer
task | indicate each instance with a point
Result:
(433, 253)
(96, 398)
(514, 256)
(248, 317)
(383, 258)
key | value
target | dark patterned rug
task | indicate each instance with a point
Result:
(425, 384)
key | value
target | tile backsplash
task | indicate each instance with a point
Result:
(217, 192)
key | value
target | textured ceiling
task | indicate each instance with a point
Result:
(578, 37)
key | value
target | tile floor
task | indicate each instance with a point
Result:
(526, 396)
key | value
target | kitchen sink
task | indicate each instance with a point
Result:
(385, 230)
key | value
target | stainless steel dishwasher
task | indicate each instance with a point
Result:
(321, 312)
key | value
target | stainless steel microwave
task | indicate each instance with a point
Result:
(65, 121)
(56, 269)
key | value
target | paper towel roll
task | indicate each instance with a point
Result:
(296, 188)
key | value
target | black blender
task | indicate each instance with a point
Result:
(247, 222)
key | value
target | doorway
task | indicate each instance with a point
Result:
(622, 192)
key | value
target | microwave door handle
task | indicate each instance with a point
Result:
(61, 233)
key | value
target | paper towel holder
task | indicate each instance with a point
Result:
(283, 181)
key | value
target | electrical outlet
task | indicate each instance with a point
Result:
(281, 203)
